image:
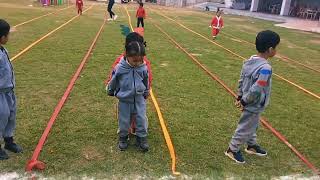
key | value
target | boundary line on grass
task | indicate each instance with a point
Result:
(39, 17)
(237, 55)
(34, 163)
(45, 36)
(263, 120)
(161, 119)
(279, 55)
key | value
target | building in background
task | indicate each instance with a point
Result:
(183, 3)
(309, 9)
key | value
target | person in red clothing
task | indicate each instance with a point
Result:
(79, 4)
(137, 35)
(216, 24)
(141, 15)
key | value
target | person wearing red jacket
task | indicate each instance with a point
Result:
(216, 24)
(79, 4)
(141, 15)
(136, 36)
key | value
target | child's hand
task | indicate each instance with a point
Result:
(210, 26)
(146, 97)
(239, 104)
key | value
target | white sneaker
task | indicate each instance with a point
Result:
(109, 19)
(115, 17)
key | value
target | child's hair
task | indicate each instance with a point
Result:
(141, 4)
(266, 39)
(219, 11)
(135, 48)
(135, 37)
(4, 28)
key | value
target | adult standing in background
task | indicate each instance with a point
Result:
(113, 16)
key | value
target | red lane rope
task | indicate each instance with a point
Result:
(34, 162)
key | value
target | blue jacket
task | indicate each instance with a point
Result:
(7, 78)
(255, 84)
(129, 84)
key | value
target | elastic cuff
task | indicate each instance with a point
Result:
(243, 102)
(111, 93)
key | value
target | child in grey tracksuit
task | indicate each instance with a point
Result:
(253, 96)
(129, 83)
(7, 96)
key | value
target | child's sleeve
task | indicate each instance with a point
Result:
(146, 83)
(256, 89)
(149, 71)
(112, 85)
(2, 69)
(212, 21)
(240, 93)
(115, 63)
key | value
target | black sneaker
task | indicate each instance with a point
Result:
(123, 143)
(3, 154)
(11, 146)
(256, 150)
(236, 156)
(142, 143)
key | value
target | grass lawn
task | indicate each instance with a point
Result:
(199, 113)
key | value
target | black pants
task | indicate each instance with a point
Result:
(110, 5)
(140, 20)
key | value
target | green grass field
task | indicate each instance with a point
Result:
(199, 113)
